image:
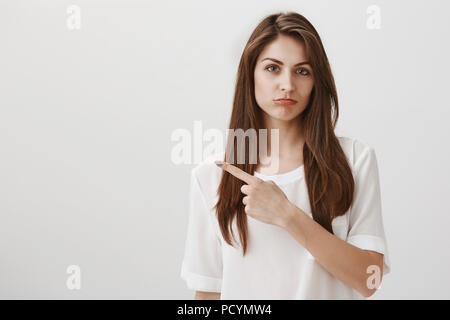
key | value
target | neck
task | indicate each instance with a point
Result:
(290, 136)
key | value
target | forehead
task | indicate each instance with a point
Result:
(286, 49)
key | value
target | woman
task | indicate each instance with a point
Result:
(310, 227)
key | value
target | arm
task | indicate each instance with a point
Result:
(266, 202)
(343, 260)
(203, 295)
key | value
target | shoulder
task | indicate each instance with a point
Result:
(355, 149)
(208, 176)
(207, 167)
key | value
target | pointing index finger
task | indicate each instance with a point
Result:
(238, 173)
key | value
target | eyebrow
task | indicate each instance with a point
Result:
(279, 62)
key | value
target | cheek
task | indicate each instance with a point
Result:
(305, 87)
(262, 87)
(261, 81)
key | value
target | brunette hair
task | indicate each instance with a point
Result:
(328, 175)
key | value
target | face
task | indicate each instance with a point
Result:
(283, 78)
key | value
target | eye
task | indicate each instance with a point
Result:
(271, 67)
(303, 71)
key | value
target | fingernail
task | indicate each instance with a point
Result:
(218, 163)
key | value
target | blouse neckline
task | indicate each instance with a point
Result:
(283, 178)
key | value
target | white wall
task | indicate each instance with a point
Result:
(86, 117)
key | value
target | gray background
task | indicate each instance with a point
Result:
(86, 117)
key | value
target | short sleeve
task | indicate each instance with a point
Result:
(202, 263)
(366, 230)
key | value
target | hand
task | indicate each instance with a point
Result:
(264, 200)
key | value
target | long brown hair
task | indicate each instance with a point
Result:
(327, 173)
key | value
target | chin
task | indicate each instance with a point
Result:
(285, 116)
(280, 113)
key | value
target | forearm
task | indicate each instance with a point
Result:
(203, 295)
(343, 260)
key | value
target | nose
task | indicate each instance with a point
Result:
(286, 82)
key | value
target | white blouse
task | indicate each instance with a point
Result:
(276, 266)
